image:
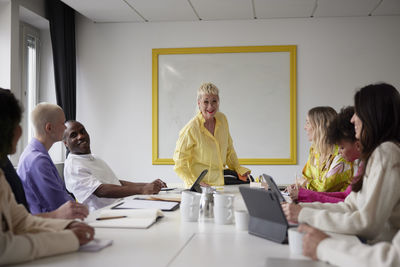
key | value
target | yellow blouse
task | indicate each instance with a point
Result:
(197, 149)
(333, 175)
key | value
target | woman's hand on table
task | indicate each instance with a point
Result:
(82, 231)
(311, 239)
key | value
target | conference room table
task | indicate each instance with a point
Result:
(172, 242)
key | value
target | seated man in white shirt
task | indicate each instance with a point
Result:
(90, 179)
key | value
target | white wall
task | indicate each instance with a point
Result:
(47, 92)
(335, 56)
(5, 44)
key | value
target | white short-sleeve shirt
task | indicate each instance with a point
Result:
(83, 174)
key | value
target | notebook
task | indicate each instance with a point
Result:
(127, 218)
(141, 203)
(267, 219)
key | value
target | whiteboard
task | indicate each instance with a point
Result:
(256, 94)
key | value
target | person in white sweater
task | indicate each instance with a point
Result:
(318, 245)
(372, 210)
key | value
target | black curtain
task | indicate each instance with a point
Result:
(62, 31)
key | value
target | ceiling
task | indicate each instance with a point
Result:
(195, 10)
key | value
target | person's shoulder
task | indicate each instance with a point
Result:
(389, 146)
(29, 154)
(387, 149)
(221, 116)
(97, 159)
(41, 158)
(192, 125)
(76, 160)
(68, 160)
(35, 160)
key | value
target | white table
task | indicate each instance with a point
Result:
(170, 242)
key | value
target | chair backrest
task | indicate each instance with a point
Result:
(60, 169)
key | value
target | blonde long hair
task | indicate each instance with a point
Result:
(320, 119)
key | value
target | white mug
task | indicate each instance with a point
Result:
(223, 215)
(223, 208)
(189, 213)
(225, 200)
(295, 239)
(241, 220)
(189, 207)
(189, 198)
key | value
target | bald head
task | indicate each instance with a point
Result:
(46, 119)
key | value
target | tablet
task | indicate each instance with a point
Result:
(196, 185)
(273, 187)
(267, 219)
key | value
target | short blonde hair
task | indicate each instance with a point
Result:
(207, 89)
(42, 114)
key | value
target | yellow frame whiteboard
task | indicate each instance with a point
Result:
(288, 51)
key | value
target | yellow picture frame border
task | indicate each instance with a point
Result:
(292, 49)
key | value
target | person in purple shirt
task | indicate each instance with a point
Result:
(44, 188)
(340, 131)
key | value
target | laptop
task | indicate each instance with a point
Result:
(267, 219)
(196, 185)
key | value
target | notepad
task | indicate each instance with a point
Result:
(135, 218)
(147, 204)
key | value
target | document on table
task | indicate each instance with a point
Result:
(96, 245)
(127, 218)
(147, 204)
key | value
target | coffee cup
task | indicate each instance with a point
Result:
(241, 220)
(189, 207)
(223, 215)
(189, 198)
(189, 213)
(295, 239)
(225, 200)
(223, 208)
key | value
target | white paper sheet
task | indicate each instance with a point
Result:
(96, 245)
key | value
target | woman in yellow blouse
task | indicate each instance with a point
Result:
(325, 170)
(205, 143)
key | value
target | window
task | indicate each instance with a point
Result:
(30, 46)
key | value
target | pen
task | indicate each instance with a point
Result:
(111, 217)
